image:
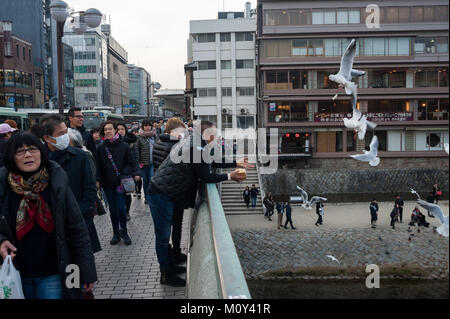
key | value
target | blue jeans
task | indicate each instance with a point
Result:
(43, 287)
(147, 173)
(117, 208)
(253, 200)
(161, 208)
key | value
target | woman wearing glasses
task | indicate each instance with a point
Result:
(41, 225)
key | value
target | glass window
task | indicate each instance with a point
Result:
(299, 111)
(392, 44)
(295, 80)
(18, 79)
(419, 45)
(227, 121)
(244, 64)
(244, 36)
(299, 47)
(225, 64)
(270, 18)
(337, 106)
(368, 46)
(330, 17)
(429, 110)
(351, 141)
(323, 81)
(206, 65)
(245, 91)
(331, 47)
(442, 13)
(202, 92)
(382, 139)
(388, 106)
(17, 50)
(442, 44)
(354, 16)
(227, 92)
(403, 46)
(426, 78)
(397, 79)
(2, 77)
(417, 14)
(404, 14)
(391, 15)
(212, 92)
(225, 37)
(378, 46)
(245, 122)
(29, 55)
(305, 16)
(342, 17)
(294, 18)
(428, 14)
(443, 78)
(283, 18)
(318, 47)
(317, 17)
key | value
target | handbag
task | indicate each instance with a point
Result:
(439, 193)
(102, 203)
(127, 182)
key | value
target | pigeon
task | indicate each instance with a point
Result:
(436, 211)
(333, 258)
(372, 155)
(446, 147)
(346, 73)
(414, 192)
(379, 237)
(308, 204)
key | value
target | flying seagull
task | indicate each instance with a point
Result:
(436, 211)
(333, 258)
(369, 156)
(308, 204)
(414, 192)
(346, 73)
(358, 123)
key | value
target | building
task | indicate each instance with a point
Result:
(33, 23)
(90, 71)
(224, 81)
(16, 69)
(139, 80)
(405, 89)
(69, 91)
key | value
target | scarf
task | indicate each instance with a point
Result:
(147, 133)
(115, 138)
(32, 206)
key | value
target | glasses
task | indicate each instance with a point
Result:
(31, 150)
(79, 116)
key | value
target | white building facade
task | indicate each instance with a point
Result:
(225, 79)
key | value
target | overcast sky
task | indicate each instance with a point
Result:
(155, 32)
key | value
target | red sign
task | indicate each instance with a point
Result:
(374, 117)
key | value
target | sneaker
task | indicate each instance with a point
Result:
(125, 237)
(128, 216)
(294, 227)
(116, 238)
(170, 279)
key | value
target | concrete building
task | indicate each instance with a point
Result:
(139, 79)
(69, 83)
(32, 22)
(224, 82)
(16, 69)
(405, 89)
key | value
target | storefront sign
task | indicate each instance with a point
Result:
(374, 117)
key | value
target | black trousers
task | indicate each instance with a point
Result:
(128, 202)
(319, 220)
(288, 220)
(269, 212)
(400, 213)
(177, 225)
(138, 186)
(393, 221)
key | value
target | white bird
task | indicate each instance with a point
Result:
(436, 211)
(346, 73)
(359, 123)
(446, 147)
(308, 204)
(333, 258)
(414, 192)
(369, 156)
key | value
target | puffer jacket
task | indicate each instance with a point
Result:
(72, 238)
(162, 148)
(144, 149)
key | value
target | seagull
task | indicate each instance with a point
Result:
(369, 156)
(414, 192)
(333, 258)
(308, 204)
(359, 123)
(346, 73)
(436, 211)
(446, 147)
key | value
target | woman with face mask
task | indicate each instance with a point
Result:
(115, 160)
(41, 225)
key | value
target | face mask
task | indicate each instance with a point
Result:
(62, 142)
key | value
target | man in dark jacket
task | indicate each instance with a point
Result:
(373, 213)
(178, 183)
(400, 203)
(144, 150)
(268, 203)
(288, 215)
(253, 195)
(77, 167)
(76, 120)
(394, 215)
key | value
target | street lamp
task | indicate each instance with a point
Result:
(60, 11)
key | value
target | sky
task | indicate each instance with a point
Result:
(155, 33)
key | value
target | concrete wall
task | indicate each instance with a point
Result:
(348, 180)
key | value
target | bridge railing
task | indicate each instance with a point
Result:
(214, 269)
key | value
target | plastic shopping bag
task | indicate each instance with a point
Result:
(10, 282)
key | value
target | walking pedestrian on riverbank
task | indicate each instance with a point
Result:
(288, 215)
(246, 196)
(394, 215)
(269, 204)
(373, 213)
(280, 211)
(399, 201)
(320, 212)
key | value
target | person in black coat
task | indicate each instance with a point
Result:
(77, 167)
(43, 246)
(269, 204)
(400, 203)
(373, 213)
(436, 193)
(394, 215)
(254, 195)
(246, 196)
(288, 208)
(109, 176)
(320, 213)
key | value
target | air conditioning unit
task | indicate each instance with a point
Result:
(244, 111)
(226, 111)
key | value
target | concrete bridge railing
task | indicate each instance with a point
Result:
(214, 270)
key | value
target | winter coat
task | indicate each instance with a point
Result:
(254, 192)
(394, 212)
(72, 239)
(162, 148)
(373, 208)
(144, 149)
(78, 168)
(88, 139)
(123, 158)
(288, 211)
(268, 203)
(246, 195)
(319, 206)
(3, 143)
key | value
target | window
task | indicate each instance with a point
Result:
(417, 14)
(225, 64)
(283, 18)
(245, 91)
(304, 17)
(17, 51)
(207, 92)
(86, 83)
(206, 37)
(89, 41)
(206, 65)
(245, 122)
(244, 36)
(85, 55)
(338, 106)
(442, 13)
(2, 78)
(227, 121)
(342, 17)
(330, 17)
(323, 81)
(351, 141)
(443, 78)
(276, 80)
(244, 64)
(18, 79)
(382, 139)
(225, 37)
(317, 17)
(298, 80)
(391, 15)
(428, 14)
(387, 106)
(442, 44)
(404, 14)
(211, 118)
(115, 68)
(354, 16)
(227, 92)
(299, 111)
(300, 47)
(426, 78)
(29, 55)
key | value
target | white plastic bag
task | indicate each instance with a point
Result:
(10, 282)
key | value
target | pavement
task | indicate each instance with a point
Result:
(132, 272)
